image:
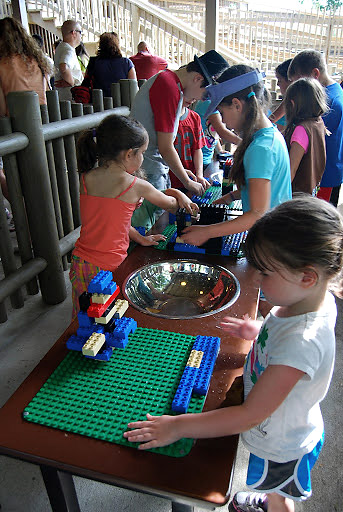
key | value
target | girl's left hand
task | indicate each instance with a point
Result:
(185, 202)
(195, 235)
(156, 431)
(151, 240)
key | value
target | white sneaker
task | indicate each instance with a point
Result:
(249, 502)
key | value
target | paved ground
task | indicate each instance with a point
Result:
(29, 334)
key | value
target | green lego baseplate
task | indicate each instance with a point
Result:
(98, 399)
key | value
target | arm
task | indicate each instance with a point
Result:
(223, 132)
(144, 240)
(66, 74)
(278, 113)
(259, 196)
(182, 199)
(228, 198)
(172, 159)
(266, 396)
(132, 73)
(198, 166)
(245, 327)
(171, 200)
(296, 153)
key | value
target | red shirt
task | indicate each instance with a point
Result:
(189, 138)
(147, 65)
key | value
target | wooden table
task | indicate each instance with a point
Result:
(202, 478)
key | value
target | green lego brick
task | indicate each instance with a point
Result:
(215, 191)
(98, 399)
(168, 232)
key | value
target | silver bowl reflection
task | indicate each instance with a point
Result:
(181, 289)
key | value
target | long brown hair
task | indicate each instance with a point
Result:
(252, 108)
(14, 40)
(109, 46)
(305, 99)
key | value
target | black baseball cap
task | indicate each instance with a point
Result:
(211, 64)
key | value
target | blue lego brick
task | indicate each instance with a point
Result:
(184, 391)
(103, 355)
(216, 183)
(232, 244)
(109, 327)
(99, 283)
(76, 342)
(173, 237)
(196, 199)
(110, 288)
(84, 319)
(189, 248)
(172, 218)
(204, 375)
(87, 331)
(140, 229)
(119, 337)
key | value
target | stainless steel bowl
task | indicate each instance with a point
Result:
(181, 289)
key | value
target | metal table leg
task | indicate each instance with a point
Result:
(179, 507)
(61, 490)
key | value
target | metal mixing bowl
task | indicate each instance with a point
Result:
(181, 289)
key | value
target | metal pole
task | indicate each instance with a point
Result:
(98, 100)
(211, 25)
(115, 92)
(88, 109)
(108, 103)
(60, 165)
(33, 165)
(73, 176)
(17, 206)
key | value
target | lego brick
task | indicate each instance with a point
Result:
(84, 319)
(103, 355)
(195, 358)
(180, 247)
(100, 298)
(84, 301)
(75, 343)
(184, 391)
(93, 344)
(85, 332)
(204, 374)
(107, 315)
(121, 307)
(99, 283)
(120, 336)
(98, 399)
(141, 230)
(97, 310)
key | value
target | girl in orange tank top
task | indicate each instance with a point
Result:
(109, 193)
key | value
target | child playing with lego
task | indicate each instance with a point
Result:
(188, 143)
(289, 367)
(311, 63)
(305, 103)
(109, 193)
(261, 168)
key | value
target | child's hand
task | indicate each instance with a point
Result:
(206, 184)
(149, 240)
(195, 235)
(185, 202)
(245, 327)
(156, 431)
(226, 199)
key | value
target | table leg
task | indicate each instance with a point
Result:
(61, 490)
(179, 507)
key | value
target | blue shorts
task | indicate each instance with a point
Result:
(290, 479)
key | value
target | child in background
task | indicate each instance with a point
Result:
(278, 116)
(109, 194)
(261, 164)
(213, 128)
(311, 63)
(289, 368)
(305, 103)
(188, 143)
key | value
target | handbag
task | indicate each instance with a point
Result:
(83, 93)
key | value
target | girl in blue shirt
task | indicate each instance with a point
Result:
(261, 167)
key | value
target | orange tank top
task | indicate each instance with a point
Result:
(104, 237)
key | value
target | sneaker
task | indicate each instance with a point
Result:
(249, 502)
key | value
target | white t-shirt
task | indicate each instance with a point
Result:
(65, 54)
(305, 342)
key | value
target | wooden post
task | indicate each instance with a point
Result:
(211, 25)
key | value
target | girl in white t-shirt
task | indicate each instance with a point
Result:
(298, 250)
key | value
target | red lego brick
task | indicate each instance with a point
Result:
(97, 310)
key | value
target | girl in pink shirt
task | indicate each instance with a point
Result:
(305, 103)
(109, 193)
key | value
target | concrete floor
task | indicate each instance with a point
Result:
(28, 335)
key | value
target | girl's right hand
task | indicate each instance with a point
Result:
(155, 431)
(245, 327)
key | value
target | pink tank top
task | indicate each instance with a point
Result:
(104, 236)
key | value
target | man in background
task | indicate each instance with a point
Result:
(147, 64)
(67, 68)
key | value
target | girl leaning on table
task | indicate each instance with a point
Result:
(289, 367)
(109, 193)
(261, 168)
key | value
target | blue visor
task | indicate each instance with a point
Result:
(217, 92)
